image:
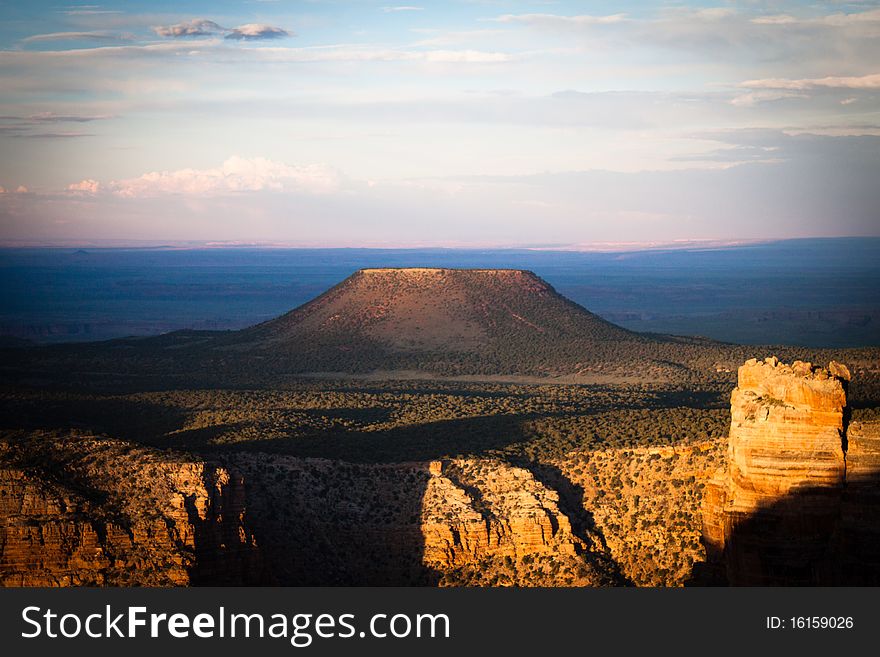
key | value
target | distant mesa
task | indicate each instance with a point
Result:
(448, 321)
(450, 310)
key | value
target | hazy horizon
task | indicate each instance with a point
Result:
(606, 247)
(439, 124)
(598, 247)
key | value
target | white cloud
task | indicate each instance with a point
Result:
(236, 174)
(871, 81)
(389, 10)
(77, 36)
(191, 28)
(781, 38)
(855, 18)
(753, 98)
(862, 19)
(462, 56)
(87, 186)
(199, 27)
(557, 20)
(777, 19)
(373, 54)
(710, 13)
(257, 31)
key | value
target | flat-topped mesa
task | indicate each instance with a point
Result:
(438, 320)
(438, 276)
(773, 516)
(434, 271)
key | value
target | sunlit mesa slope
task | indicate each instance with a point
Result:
(449, 321)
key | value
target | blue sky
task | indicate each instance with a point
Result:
(439, 123)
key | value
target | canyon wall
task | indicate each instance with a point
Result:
(456, 522)
(483, 517)
(81, 511)
(94, 511)
(795, 503)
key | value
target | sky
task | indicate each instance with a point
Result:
(455, 123)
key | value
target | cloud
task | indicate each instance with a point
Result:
(51, 117)
(257, 31)
(71, 134)
(777, 19)
(871, 81)
(236, 174)
(462, 56)
(550, 20)
(855, 18)
(753, 98)
(88, 10)
(780, 38)
(200, 27)
(24, 127)
(87, 186)
(77, 36)
(373, 54)
(192, 28)
(389, 10)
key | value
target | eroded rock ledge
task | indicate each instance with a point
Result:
(797, 501)
(87, 511)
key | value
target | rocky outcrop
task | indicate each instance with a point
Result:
(455, 522)
(478, 509)
(791, 504)
(86, 511)
(488, 522)
(90, 511)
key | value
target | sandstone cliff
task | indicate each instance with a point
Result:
(90, 511)
(794, 505)
(464, 521)
(485, 522)
(94, 511)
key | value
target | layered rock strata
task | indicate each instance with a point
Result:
(496, 510)
(464, 521)
(483, 517)
(790, 507)
(86, 511)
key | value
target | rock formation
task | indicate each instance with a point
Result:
(485, 521)
(794, 505)
(496, 510)
(94, 511)
(463, 521)
(85, 511)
